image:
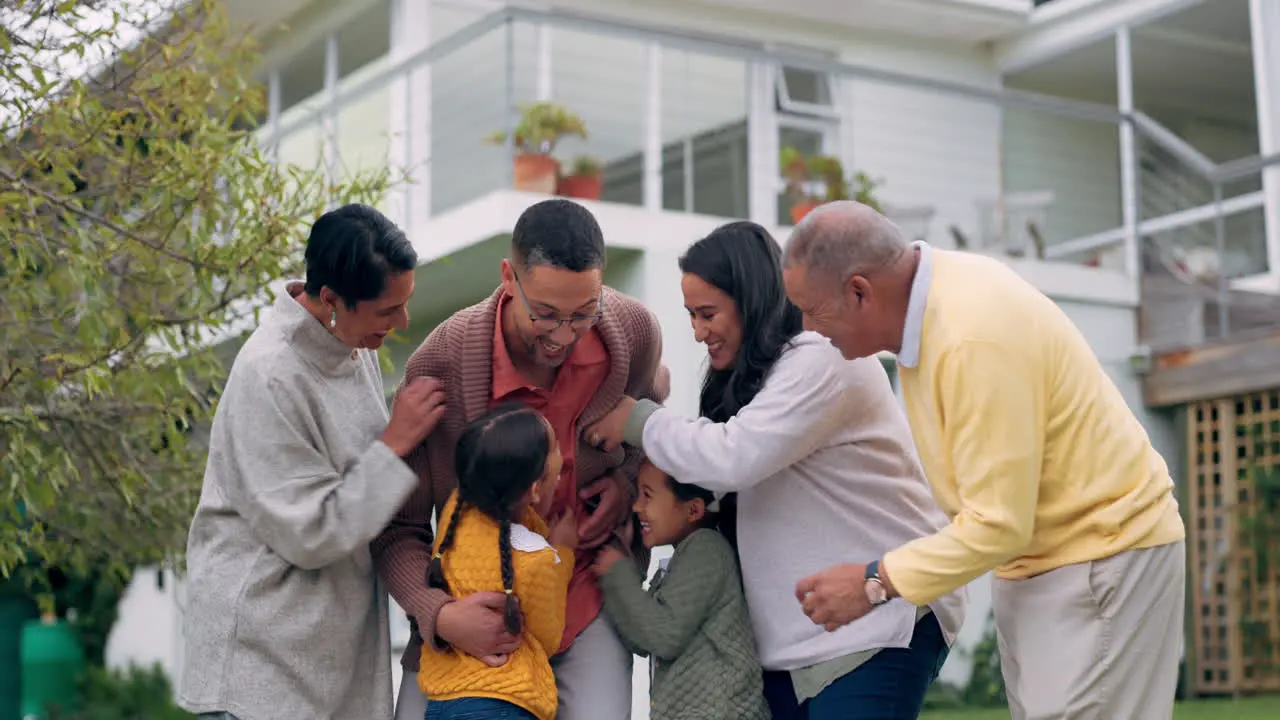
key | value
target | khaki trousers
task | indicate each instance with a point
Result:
(1099, 640)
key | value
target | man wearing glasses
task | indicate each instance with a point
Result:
(552, 337)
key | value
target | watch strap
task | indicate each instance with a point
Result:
(872, 575)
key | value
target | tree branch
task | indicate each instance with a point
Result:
(76, 209)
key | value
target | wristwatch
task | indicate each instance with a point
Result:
(874, 586)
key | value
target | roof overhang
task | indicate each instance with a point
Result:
(967, 21)
(1066, 25)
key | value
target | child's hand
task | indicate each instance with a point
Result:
(564, 531)
(543, 506)
(606, 558)
(627, 533)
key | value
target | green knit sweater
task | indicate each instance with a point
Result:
(693, 625)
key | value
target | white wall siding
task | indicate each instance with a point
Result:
(1079, 160)
(929, 149)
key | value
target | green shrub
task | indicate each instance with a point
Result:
(133, 694)
(986, 684)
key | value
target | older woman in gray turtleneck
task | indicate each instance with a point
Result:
(285, 618)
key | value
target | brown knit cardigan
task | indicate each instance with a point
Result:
(459, 353)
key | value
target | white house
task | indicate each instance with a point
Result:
(1082, 140)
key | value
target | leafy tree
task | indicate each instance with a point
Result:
(142, 221)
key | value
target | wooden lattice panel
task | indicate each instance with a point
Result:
(1234, 466)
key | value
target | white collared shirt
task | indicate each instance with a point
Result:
(909, 355)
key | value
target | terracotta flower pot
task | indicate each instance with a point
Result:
(800, 209)
(586, 187)
(536, 173)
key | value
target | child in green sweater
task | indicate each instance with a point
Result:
(692, 623)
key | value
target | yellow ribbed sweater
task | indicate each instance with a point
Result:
(1027, 443)
(541, 583)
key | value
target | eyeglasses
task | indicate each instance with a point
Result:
(544, 324)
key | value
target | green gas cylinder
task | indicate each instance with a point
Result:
(15, 610)
(52, 661)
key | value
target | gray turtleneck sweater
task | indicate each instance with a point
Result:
(285, 618)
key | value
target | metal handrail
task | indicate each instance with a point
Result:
(1167, 139)
(710, 43)
(1216, 174)
(1244, 167)
(727, 45)
(376, 81)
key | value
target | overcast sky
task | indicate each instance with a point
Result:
(130, 18)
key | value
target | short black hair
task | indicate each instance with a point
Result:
(352, 250)
(559, 233)
(688, 492)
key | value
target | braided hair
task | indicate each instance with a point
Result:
(499, 457)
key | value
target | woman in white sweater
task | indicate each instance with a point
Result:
(820, 456)
(285, 618)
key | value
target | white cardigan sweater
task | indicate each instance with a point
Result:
(826, 473)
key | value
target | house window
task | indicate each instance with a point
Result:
(801, 91)
(810, 137)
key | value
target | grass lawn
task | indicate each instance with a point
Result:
(1256, 708)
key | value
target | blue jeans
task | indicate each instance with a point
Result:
(889, 686)
(475, 709)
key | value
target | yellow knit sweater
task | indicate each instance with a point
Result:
(1026, 441)
(542, 575)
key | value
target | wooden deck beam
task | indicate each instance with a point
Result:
(1241, 364)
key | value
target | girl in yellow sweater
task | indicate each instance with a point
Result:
(492, 539)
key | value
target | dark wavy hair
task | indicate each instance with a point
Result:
(744, 262)
(499, 457)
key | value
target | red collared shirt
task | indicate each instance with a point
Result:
(577, 382)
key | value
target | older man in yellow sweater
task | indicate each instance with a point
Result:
(1047, 476)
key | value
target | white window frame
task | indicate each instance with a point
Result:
(788, 105)
(828, 129)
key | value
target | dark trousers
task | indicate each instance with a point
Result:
(475, 708)
(889, 686)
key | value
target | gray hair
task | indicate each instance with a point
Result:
(845, 238)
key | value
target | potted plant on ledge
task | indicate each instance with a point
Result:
(541, 126)
(817, 179)
(584, 180)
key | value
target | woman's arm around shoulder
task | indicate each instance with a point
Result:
(806, 398)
